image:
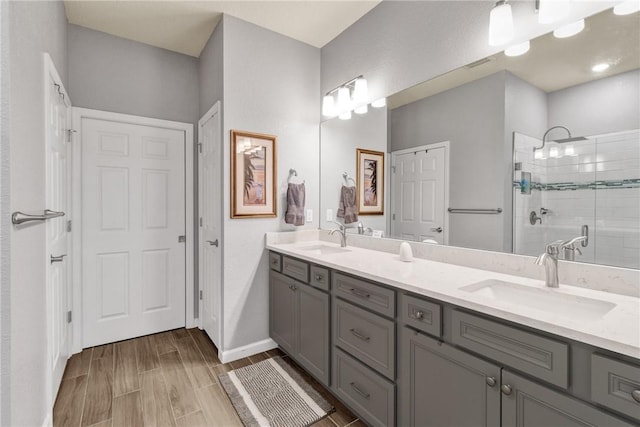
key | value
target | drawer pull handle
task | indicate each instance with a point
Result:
(636, 395)
(274, 262)
(319, 278)
(359, 335)
(359, 293)
(418, 315)
(360, 392)
(293, 287)
(506, 389)
(491, 381)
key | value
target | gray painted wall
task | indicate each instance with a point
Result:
(114, 74)
(271, 85)
(601, 106)
(34, 27)
(211, 70)
(472, 118)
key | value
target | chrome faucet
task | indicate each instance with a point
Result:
(550, 261)
(343, 233)
(569, 248)
(362, 230)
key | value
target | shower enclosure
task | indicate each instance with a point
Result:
(589, 187)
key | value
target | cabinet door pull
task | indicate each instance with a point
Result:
(359, 335)
(360, 392)
(359, 293)
(636, 395)
(491, 381)
(274, 261)
(506, 389)
(318, 278)
(418, 315)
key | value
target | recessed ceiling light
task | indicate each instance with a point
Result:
(598, 68)
(519, 49)
(569, 30)
(626, 8)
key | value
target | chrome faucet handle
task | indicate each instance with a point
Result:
(553, 248)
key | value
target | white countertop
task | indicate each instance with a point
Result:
(618, 330)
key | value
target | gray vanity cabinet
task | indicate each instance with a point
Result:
(440, 385)
(528, 404)
(299, 323)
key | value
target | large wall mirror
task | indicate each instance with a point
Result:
(466, 163)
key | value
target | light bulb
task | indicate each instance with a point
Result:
(626, 8)
(360, 91)
(569, 151)
(345, 116)
(569, 30)
(344, 100)
(519, 49)
(501, 29)
(328, 106)
(598, 68)
(553, 152)
(361, 109)
(379, 103)
(552, 10)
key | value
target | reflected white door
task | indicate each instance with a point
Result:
(133, 214)
(419, 194)
(58, 174)
(210, 209)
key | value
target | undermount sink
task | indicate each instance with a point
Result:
(324, 249)
(542, 299)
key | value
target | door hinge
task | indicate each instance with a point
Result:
(393, 169)
(70, 132)
(69, 316)
(182, 239)
(393, 217)
(201, 295)
(69, 226)
(199, 147)
(200, 221)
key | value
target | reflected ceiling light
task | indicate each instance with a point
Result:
(379, 103)
(626, 8)
(501, 29)
(538, 155)
(552, 10)
(569, 151)
(569, 30)
(361, 109)
(345, 116)
(345, 102)
(518, 49)
(553, 152)
(328, 106)
(598, 68)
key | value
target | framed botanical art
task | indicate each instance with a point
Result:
(370, 182)
(253, 175)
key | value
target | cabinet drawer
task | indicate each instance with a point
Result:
(297, 269)
(541, 357)
(370, 395)
(616, 384)
(420, 314)
(275, 261)
(367, 336)
(364, 293)
(319, 277)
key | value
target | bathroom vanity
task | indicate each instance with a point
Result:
(430, 343)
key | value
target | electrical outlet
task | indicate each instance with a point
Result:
(329, 214)
(309, 215)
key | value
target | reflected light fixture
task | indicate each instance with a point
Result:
(362, 109)
(552, 10)
(598, 68)
(501, 29)
(345, 116)
(344, 99)
(349, 94)
(379, 103)
(626, 8)
(360, 91)
(569, 29)
(518, 49)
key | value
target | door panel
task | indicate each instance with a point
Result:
(282, 311)
(133, 204)
(313, 331)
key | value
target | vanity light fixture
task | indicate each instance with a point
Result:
(328, 106)
(550, 11)
(626, 8)
(501, 28)
(569, 29)
(518, 49)
(345, 116)
(598, 68)
(360, 92)
(350, 94)
(344, 100)
(379, 103)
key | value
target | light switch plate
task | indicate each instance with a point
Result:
(329, 214)
(309, 215)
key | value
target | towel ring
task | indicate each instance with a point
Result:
(347, 178)
(292, 173)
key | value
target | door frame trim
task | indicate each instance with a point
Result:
(215, 108)
(84, 113)
(447, 149)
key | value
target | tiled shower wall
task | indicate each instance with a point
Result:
(594, 183)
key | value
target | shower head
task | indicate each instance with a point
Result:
(561, 140)
(570, 139)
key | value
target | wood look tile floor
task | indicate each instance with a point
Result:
(166, 379)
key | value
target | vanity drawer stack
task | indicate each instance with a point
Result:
(364, 353)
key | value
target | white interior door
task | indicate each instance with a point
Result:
(58, 174)
(210, 212)
(419, 194)
(133, 217)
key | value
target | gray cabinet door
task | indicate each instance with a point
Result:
(282, 311)
(313, 331)
(527, 404)
(439, 385)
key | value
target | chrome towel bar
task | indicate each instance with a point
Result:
(476, 211)
(21, 217)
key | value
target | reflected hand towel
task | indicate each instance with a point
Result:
(347, 209)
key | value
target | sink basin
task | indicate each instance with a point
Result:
(542, 299)
(324, 249)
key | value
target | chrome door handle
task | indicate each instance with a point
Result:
(437, 229)
(57, 258)
(491, 381)
(213, 243)
(418, 315)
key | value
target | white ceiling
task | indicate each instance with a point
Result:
(185, 26)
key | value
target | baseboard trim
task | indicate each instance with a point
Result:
(230, 355)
